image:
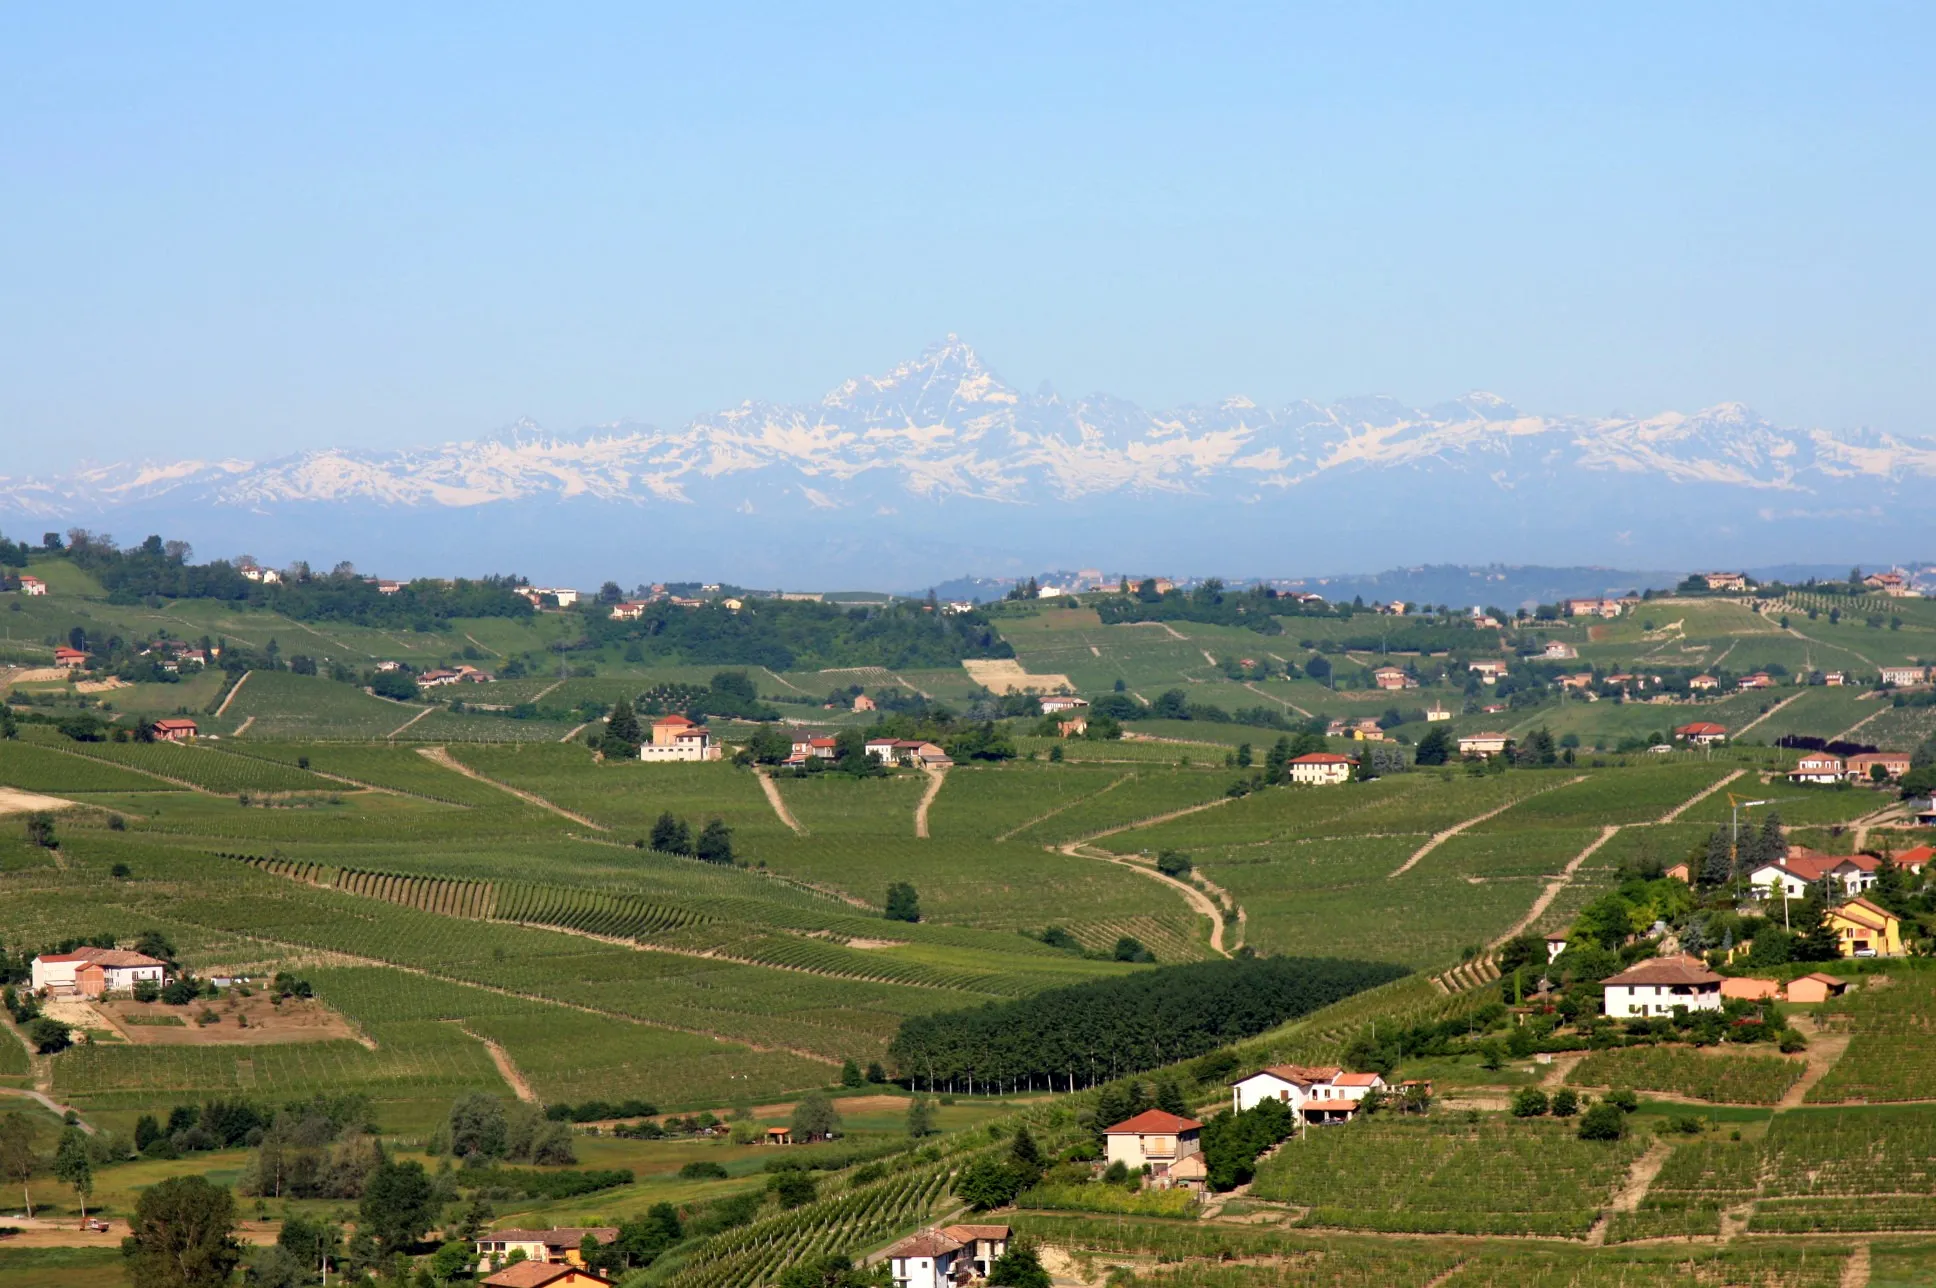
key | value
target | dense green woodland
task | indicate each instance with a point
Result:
(1097, 1032)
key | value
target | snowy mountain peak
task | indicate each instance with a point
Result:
(943, 429)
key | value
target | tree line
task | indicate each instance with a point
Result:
(1098, 1031)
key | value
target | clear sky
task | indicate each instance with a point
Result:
(251, 228)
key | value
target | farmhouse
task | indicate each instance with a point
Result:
(930, 1259)
(1593, 607)
(1559, 651)
(1893, 584)
(175, 729)
(437, 678)
(1701, 733)
(555, 1246)
(1075, 728)
(863, 703)
(1657, 986)
(1904, 675)
(543, 1274)
(677, 738)
(1556, 944)
(981, 1245)
(1802, 868)
(1703, 684)
(1321, 767)
(1319, 1095)
(1437, 713)
(32, 585)
(1392, 677)
(1817, 767)
(1488, 669)
(1725, 580)
(388, 587)
(96, 972)
(1678, 872)
(1484, 744)
(1759, 680)
(1862, 767)
(629, 610)
(1835, 679)
(1152, 1139)
(70, 657)
(1863, 929)
(1063, 702)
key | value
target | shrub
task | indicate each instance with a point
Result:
(699, 1170)
(1529, 1102)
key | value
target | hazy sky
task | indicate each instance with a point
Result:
(253, 228)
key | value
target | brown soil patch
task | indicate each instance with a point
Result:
(244, 1021)
(1005, 675)
(18, 802)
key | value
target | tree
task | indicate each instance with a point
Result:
(1818, 941)
(1173, 863)
(622, 735)
(477, 1126)
(850, 1075)
(903, 903)
(1170, 1100)
(814, 1117)
(793, 1188)
(920, 1118)
(715, 844)
(73, 1168)
(1603, 1121)
(670, 835)
(1435, 748)
(1566, 1102)
(398, 1205)
(989, 1183)
(184, 1235)
(48, 1035)
(1718, 864)
(274, 1266)
(40, 831)
(1019, 1267)
(827, 1270)
(17, 1157)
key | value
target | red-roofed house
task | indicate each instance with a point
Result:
(925, 1260)
(1803, 867)
(1759, 680)
(175, 729)
(1914, 860)
(981, 1245)
(1702, 733)
(32, 585)
(1392, 677)
(1154, 1139)
(1321, 768)
(1894, 763)
(70, 657)
(546, 1274)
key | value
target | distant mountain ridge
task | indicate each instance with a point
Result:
(915, 445)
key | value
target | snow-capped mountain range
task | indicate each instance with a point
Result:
(942, 445)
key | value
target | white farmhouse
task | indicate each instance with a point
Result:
(1657, 986)
(1321, 767)
(96, 972)
(1319, 1095)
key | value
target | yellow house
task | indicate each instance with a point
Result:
(1865, 930)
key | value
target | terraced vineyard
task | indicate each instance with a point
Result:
(212, 771)
(862, 1218)
(34, 768)
(1489, 1177)
(1719, 1078)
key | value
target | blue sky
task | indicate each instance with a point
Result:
(247, 229)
